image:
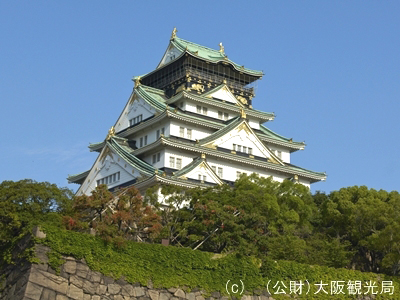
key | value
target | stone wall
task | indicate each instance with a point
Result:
(77, 281)
(26, 281)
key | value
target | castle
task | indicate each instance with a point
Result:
(191, 123)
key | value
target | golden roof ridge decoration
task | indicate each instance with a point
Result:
(173, 35)
(111, 133)
(221, 48)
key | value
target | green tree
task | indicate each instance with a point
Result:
(25, 203)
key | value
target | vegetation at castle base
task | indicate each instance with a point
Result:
(169, 266)
(354, 227)
(255, 220)
(25, 203)
(116, 218)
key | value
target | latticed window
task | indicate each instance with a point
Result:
(181, 131)
(189, 133)
(172, 162)
(198, 109)
(220, 172)
(179, 163)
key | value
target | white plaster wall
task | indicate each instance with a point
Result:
(211, 111)
(108, 167)
(186, 157)
(284, 152)
(254, 123)
(134, 109)
(151, 133)
(197, 131)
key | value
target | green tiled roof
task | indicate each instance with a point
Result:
(224, 130)
(276, 136)
(209, 54)
(78, 177)
(152, 96)
(197, 161)
(124, 152)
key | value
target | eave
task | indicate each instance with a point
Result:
(262, 116)
(288, 169)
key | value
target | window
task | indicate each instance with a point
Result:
(181, 104)
(162, 131)
(135, 120)
(202, 110)
(189, 133)
(250, 151)
(141, 142)
(158, 134)
(109, 179)
(244, 149)
(156, 158)
(172, 162)
(239, 148)
(279, 154)
(181, 131)
(220, 115)
(214, 168)
(145, 140)
(204, 178)
(220, 172)
(226, 116)
(238, 174)
(179, 163)
(199, 177)
(234, 147)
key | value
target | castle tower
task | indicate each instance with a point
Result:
(191, 122)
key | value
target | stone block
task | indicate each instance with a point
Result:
(119, 297)
(95, 297)
(48, 295)
(82, 270)
(41, 253)
(215, 294)
(107, 280)
(139, 291)
(95, 277)
(190, 296)
(101, 289)
(51, 281)
(180, 294)
(164, 296)
(89, 287)
(172, 290)
(113, 288)
(33, 291)
(128, 290)
(74, 292)
(87, 297)
(154, 295)
(61, 297)
(70, 266)
(38, 233)
(200, 298)
(76, 280)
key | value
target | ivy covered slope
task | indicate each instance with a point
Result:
(169, 266)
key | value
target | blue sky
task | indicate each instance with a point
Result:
(332, 77)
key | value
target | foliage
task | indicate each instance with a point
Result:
(114, 217)
(25, 203)
(169, 266)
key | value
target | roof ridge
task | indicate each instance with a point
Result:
(264, 128)
(198, 45)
